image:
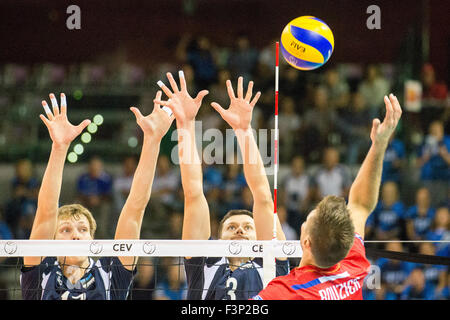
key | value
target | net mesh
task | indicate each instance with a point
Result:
(160, 270)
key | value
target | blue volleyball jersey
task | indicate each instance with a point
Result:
(105, 279)
(422, 224)
(212, 278)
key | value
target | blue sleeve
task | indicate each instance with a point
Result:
(282, 267)
(31, 278)
(29, 282)
(121, 278)
(195, 277)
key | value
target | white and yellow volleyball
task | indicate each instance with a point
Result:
(307, 43)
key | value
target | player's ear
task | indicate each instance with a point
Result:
(307, 243)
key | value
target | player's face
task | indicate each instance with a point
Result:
(239, 227)
(73, 229)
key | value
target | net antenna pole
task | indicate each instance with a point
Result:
(275, 173)
(269, 263)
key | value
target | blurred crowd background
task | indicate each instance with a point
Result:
(325, 120)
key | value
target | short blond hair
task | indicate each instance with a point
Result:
(332, 232)
(75, 211)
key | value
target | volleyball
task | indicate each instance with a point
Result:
(307, 43)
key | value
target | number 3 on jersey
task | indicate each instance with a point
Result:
(232, 285)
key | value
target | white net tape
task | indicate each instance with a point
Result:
(267, 250)
(140, 248)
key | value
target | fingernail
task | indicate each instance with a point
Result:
(160, 83)
(181, 74)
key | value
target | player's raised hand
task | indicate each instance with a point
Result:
(183, 106)
(239, 113)
(61, 131)
(157, 123)
(381, 132)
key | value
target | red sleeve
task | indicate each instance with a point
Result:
(356, 258)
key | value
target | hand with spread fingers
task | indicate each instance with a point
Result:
(61, 131)
(381, 132)
(183, 106)
(239, 113)
(155, 124)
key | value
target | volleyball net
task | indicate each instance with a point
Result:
(161, 273)
(159, 265)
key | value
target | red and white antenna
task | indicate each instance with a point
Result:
(275, 182)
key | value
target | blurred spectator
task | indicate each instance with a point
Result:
(332, 178)
(442, 292)
(5, 231)
(217, 207)
(144, 283)
(246, 199)
(234, 182)
(173, 285)
(122, 184)
(218, 91)
(293, 83)
(289, 123)
(94, 190)
(419, 217)
(440, 231)
(198, 53)
(355, 124)
(379, 294)
(434, 161)
(387, 220)
(318, 124)
(175, 225)
(166, 181)
(215, 226)
(434, 273)
(289, 232)
(297, 193)
(21, 208)
(417, 288)
(337, 88)
(212, 177)
(394, 272)
(434, 92)
(243, 59)
(394, 160)
(373, 88)
(210, 118)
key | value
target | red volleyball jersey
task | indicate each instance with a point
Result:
(342, 281)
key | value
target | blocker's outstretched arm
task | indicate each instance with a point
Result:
(196, 223)
(62, 133)
(239, 116)
(155, 127)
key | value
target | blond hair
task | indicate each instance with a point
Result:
(331, 231)
(76, 211)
